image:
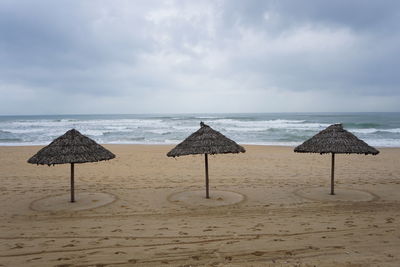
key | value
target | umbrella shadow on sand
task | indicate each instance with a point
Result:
(335, 140)
(72, 147)
(206, 141)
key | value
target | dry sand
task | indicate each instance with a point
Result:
(268, 207)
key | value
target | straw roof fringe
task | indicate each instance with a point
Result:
(206, 141)
(72, 147)
(335, 139)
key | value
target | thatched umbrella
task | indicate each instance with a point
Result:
(72, 147)
(206, 141)
(335, 140)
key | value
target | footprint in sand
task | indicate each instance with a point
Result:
(92, 253)
(257, 253)
(33, 259)
(18, 246)
(63, 259)
(389, 220)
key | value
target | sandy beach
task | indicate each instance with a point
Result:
(268, 207)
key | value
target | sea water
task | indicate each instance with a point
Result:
(377, 129)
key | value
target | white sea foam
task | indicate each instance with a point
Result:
(373, 130)
(271, 124)
(397, 130)
(363, 131)
(22, 131)
(262, 129)
(383, 142)
(160, 131)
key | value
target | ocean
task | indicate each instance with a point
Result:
(288, 129)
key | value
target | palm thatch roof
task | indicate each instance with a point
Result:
(335, 139)
(72, 147)
(206, 141)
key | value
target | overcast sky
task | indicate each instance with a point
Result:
(83, 57)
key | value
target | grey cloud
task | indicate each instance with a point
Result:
(366, 65)
(140, 52)
(64, 44)
(354, 14)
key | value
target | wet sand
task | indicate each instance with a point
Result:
(268, 207)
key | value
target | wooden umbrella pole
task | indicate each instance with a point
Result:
(72, 183)
(207, 190)
(333, 175)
